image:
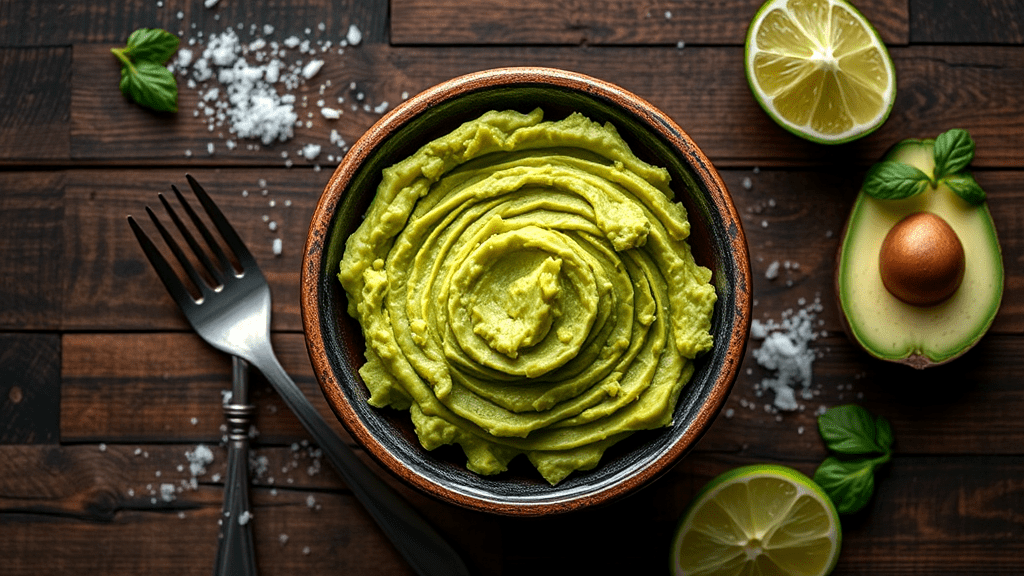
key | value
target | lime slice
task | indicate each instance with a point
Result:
(819, 69)
(761, 520)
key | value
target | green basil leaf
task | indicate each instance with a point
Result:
(883, 434)
(965, 187)
(851, 429)
(849, 483)
(151, 85)
(152, 44)
(893, 180)
(953, 151)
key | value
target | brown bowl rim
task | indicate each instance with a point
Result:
(393, 121)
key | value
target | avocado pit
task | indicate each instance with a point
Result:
(922, 260)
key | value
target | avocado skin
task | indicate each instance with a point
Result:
(918, 153)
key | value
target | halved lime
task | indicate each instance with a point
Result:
(760, 520)
(819, 69)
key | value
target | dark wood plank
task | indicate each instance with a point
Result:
(133, 388)
(788, 215)
(104, 493)
(976, 22)
(107, 128)
(65, 23)
(600, 22)
(966, 407)
(31, 233)
(34, 87)
(152, 387)
(29, 388)
(937, 514)
(939, 88)
(929, 515)
(111, 284)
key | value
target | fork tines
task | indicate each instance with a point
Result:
(219, 273)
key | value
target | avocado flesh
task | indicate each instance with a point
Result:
(890, 329)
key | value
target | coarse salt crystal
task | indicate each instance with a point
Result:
(311, 69)
(311, 151)
(354, 36)
(167, 492)
(199, 459)
(276, 247)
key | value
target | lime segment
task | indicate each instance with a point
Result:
(819, 69)
(758, 520)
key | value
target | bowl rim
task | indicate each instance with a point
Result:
(392, 122)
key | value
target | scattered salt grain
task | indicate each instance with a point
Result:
(310, 151)
(747, 183)
(680, 45)
(210, 3)
(244, 518)
(282, 538)
(199, 459)
(311, 69)
(330, 113)
(167, 492)
(103, 447)
(773, 271)
(354, 36)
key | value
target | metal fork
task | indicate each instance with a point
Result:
(233, 315)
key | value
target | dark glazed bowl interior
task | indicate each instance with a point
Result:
(335, 341)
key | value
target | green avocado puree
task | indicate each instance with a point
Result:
(525, 287)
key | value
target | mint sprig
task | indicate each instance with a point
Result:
(144, 78)
(861, 443)
(953, 151)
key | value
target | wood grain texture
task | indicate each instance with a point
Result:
(939, 87)
(112, 493)
(140, 388)
(144, 387)
(967, 409)
(29, 388)
(31, 233)
(788, 215)
(37, 104)
(113, 286)
(104, 388)
(977, 21)
(99, 505)
(600, 22)
(105, 21)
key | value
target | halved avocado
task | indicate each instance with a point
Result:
(890, 329)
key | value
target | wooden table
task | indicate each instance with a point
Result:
(104, 389)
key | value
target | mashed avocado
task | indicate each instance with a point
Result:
(525, 287)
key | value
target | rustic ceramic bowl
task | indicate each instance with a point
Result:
(336, 344)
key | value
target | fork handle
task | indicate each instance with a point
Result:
(236, 554)
(422, 547)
